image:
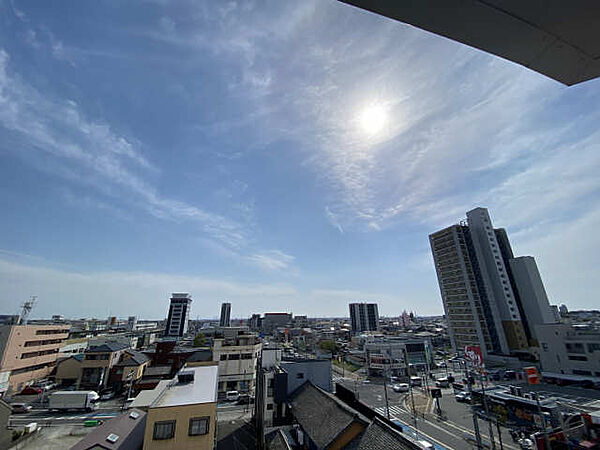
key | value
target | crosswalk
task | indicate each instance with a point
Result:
(395, 411)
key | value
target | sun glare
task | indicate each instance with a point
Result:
(373, 119)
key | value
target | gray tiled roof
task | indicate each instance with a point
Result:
(130, 432)
(322, 416)
(107, 347)
(136, 359)
(379, 435)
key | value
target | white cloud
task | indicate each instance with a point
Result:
(64, 290)
(54, 135)
(272, 260)
(72, 293)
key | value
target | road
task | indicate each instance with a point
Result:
(444, 434)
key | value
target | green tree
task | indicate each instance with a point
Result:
(199, 340)
(329, 346)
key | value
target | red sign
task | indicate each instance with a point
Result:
(532, 375)
(474, 356)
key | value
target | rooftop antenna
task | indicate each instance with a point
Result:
(26, 308)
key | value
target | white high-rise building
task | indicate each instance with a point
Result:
(491, 299)
(179, 312)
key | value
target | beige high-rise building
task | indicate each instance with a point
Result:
(29, 352)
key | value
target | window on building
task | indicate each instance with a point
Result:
(269, 406)
(545, 346)
(223, 358)
(593, 347)
(164, 430)
(198, 426)
(577, 358)
(234, 356)
(300, 375)
(246, 355)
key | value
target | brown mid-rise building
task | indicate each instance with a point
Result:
(29, 352)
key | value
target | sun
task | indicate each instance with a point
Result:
(372, 119)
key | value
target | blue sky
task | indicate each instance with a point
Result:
(283, 155)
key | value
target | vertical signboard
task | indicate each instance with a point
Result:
(474, 356)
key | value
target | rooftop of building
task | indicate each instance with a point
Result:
(133, 358)
(202, 389)
(322, 416)
(125, 431)
(108, 347)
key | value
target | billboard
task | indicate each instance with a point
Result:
(474, 355)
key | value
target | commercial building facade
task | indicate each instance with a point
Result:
(491, 299)
(569, 350)
(179, 312)
(237, 359)
(364, 317)
(29, 352)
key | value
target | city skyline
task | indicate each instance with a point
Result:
(297, 164)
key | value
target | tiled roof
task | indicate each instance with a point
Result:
(107, 347)
(322, 416)
(379, 435)
(135, 359)
(129, 427)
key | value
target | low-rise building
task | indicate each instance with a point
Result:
(29, 352)
(278, 379)
(97, 363)
(569, 350)
(68, 370)
(322, 420)
(237, 360)
(182, 413)
(129, 369)
(124, 432)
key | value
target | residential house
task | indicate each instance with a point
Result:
(68, 370)
(97, 363)
(324, 421)
(129, 369)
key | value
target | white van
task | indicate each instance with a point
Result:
(415, 381)
(232, 396)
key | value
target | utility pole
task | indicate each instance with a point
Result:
(410, 390)
(475, 423)
(487, 413)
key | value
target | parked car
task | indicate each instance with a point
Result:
(19, 408)
(31, 390)
(415, 381)
(462, 397)
(400, 387)
(232, 396)
(442, 382)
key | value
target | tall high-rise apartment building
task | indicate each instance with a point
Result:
(225, 320)
(179, 312)
(364, 317)
(491, 299)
